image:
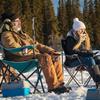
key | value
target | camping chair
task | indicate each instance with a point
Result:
(74, 71)
(30, 65)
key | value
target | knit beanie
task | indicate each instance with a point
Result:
(77, 25)
(10, 16)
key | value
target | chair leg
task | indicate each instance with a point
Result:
(26, 78)
(39, 79)
(21, 73)
(72, 77)
(4, 73)
(3, 77)
(30, 83)
(87, 81)
(10, 73)
(36, 85)
(81, 72)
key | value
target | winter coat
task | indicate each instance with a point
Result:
(14, 40)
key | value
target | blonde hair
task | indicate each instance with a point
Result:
(87, 42)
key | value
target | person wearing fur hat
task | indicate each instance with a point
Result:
(13, 37)
(77, 41)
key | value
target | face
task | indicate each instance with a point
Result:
(81, 31)
(16, 25)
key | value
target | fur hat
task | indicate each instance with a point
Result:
(77, 25)
(8, 16)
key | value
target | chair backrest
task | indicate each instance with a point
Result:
(70, 58)
(63, 43)
(19, 62)
(10, 53)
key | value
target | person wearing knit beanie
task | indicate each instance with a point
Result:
(77, 42)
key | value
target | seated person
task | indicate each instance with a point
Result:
(77, 41)
(13, 37)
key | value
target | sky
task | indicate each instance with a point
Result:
(55, 2)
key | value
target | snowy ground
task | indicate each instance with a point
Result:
(77, 93)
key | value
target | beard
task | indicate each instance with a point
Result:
(17, 29)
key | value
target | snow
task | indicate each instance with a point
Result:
(77, 93)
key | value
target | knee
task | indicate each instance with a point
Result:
(46, 60)
(47, 56)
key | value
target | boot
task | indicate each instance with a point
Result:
(59, 90)
(98, 85)
(96, 69)
(92, 73)
(95, 74)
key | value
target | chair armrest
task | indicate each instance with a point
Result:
(71, 57)
(15, 50)
(84, 53)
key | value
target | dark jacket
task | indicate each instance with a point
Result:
(68, 44)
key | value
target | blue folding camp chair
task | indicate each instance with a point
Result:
(74, 71)
(31, 65)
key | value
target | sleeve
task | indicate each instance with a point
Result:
(44, 49)
(8, 40)
(70, 43)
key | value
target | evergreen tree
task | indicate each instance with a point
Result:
(62, 18)
(76, 9)
(37, 12)
(54, 37)
(12, 6)
(91, 22)
(86, 12)
(26, 16)
(21, 8)
(73, 10)
(46, 22)
(45, 25)
(49, 23)
(69, 13)
(1, 8)
(97, 24)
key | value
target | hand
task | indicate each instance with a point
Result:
(25, 51)
(82, 37)
(56, 53)
(55, 56)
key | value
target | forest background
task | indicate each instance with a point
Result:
(49, 27)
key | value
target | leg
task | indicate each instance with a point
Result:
(52, 76)
(48, 70)
(93, 69)
(59, 71)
